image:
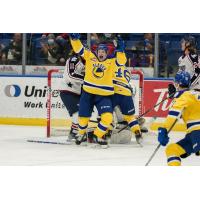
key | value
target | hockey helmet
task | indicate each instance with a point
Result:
(182, 78)
(102, 47)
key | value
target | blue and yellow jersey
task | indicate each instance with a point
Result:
(121, 80)
(98, 75)
(186, 104)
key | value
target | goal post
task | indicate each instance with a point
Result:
(141, 86)
(49, 96)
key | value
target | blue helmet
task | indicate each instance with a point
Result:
(182, 78)
(102, 47)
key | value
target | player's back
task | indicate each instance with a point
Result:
(191, 112)
(186, 105)
(121, 80)
(191, 115)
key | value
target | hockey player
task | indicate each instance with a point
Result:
(189, 62)
(71, 89)
(123, 95)
(97, 88)
(186, 105)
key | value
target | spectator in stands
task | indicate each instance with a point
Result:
(12, 54)
(145, 49)
(65, 49)
(94, 39)
(2, 55)
(108, 37)
(52, 49)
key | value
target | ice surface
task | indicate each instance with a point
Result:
(15, 150)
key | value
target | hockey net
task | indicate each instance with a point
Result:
(58, 119)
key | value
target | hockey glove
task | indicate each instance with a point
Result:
(171, 91)
(74, 36)
(120, 45)
(197, 69)
(163, 138)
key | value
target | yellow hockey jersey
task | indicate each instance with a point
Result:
(186, 104)
(98, 75)
(121, 80)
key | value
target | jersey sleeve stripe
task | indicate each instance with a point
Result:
(190, 125)
(81, 52)
(118, 64)
(174, 113)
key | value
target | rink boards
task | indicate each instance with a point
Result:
(23, 102)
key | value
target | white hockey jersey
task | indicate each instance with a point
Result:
(191, 64)
(73, 75)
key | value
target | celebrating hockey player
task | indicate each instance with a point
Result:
(186, 105)
(189, 62)
(123, 95)
(72, 81)
(97, 88)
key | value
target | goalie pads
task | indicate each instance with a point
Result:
(123, 137)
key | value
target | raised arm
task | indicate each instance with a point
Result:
(77, 45)
(120, 56)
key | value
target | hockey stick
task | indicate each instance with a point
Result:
(157, 148)
(49, 142)
(149, 110)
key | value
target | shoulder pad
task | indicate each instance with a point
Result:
(74, 59)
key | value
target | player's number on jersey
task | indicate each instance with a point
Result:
(125, 74)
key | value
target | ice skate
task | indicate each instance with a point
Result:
(138, 137)
(80, 139)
